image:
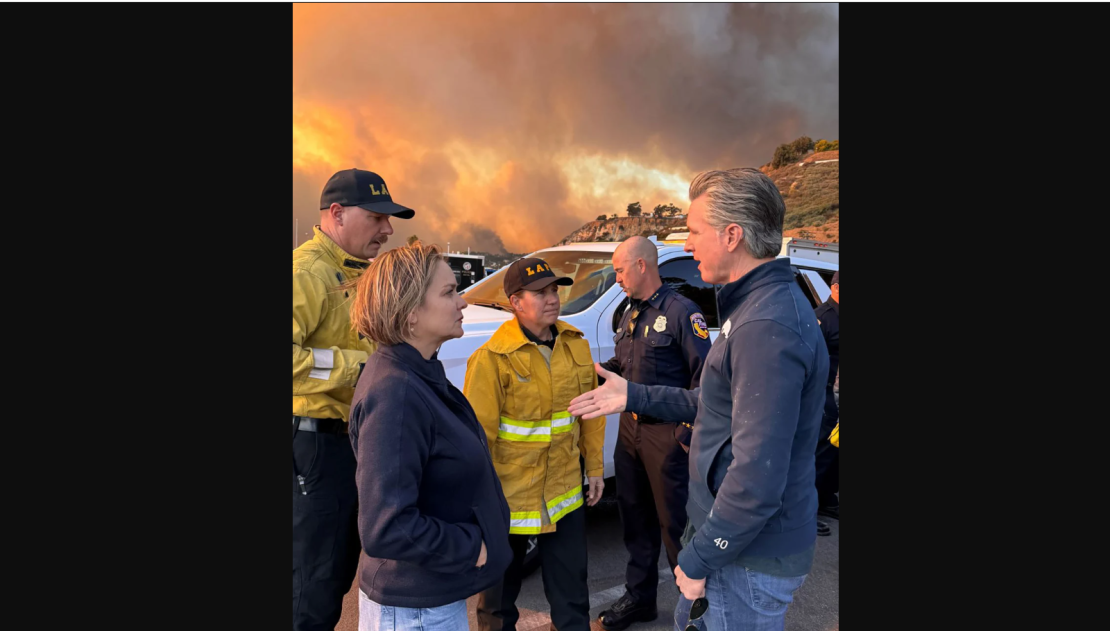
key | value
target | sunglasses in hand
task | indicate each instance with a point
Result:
(697, 610)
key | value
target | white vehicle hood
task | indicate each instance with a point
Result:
(483, 320)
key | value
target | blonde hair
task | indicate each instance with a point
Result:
(391, 289)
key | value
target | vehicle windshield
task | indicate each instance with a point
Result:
(592, 273)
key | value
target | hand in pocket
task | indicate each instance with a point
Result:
(482, 555)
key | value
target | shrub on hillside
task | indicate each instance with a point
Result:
(812, 217)
(802, 145)
(784, 155)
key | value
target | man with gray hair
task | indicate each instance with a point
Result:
(752, 512)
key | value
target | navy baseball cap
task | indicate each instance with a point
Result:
(365, 189)
(533, 274)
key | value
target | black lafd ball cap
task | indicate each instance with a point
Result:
(365, 189)
(531, 274)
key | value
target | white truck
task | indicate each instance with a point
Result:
(816, 250)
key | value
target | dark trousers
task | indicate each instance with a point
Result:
(563, 563)
(325, 529)
(653, 477)
(827, 462)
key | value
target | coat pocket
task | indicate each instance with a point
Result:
(523, 400)
(517, 465)
(583, 366)
(495, 533)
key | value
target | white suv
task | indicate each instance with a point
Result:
(594, 304)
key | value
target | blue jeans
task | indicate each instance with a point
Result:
(375, 617)
(741, 600)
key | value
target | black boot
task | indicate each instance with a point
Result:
(621, 614)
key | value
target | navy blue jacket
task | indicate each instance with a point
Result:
(758, 412)
(427, 491)
(664, 352)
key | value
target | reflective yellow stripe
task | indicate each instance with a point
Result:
(561, 423)
(525, 431)
(542, 438)
(535, 431)
(564, 504)
(525, 523)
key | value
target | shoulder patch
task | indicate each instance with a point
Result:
(697, 321)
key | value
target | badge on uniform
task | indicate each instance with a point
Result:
(700, 328)
(660, 324)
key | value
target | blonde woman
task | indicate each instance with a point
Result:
(432, 518)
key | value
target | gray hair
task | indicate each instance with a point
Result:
(748, 198)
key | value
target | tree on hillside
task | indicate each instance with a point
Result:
(613, 216)
(413, 239)
(634, 209)
(670, 210)
(784, 155)
(600, 218)
(825, 145)
(802, 145)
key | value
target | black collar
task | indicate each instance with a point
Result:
(656, 299)
(549, 343)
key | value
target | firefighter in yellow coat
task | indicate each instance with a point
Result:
(520, 383)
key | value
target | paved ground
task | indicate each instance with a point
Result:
(816, 606)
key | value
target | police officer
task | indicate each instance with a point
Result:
(355, 209)
(828, 456)
(663, 339)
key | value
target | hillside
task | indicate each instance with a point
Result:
(622, 228)
(811, 190)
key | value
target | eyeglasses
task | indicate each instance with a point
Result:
(700, 606)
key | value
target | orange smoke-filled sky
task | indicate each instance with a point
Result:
(511, 125)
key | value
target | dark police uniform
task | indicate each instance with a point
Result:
(661, 341)
(828, 456)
